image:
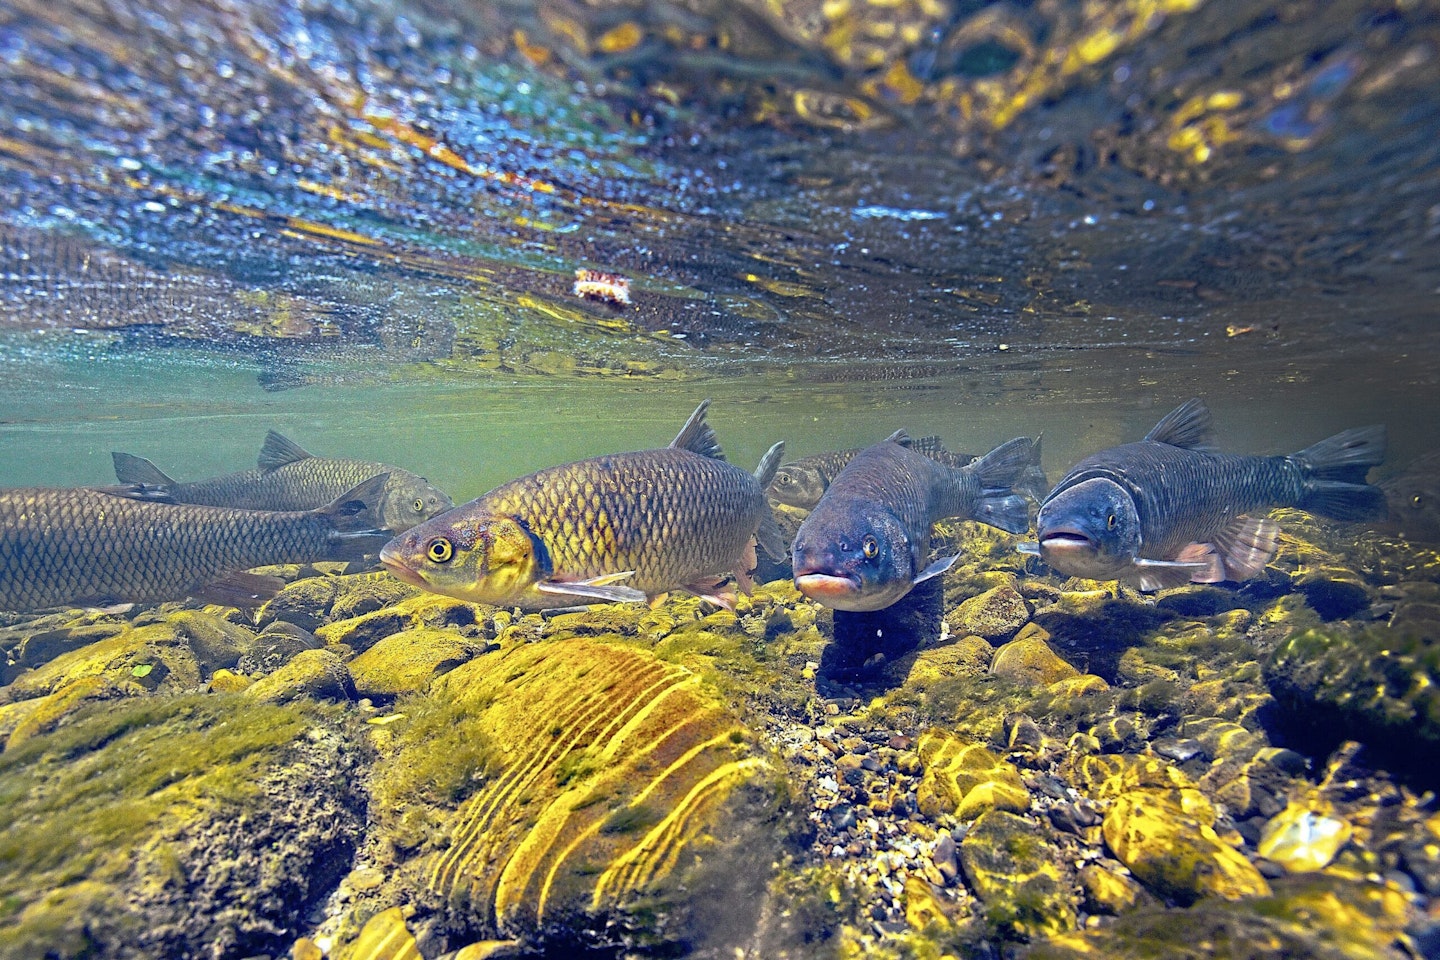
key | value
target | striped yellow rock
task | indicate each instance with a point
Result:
(965, 778)
(608, 767)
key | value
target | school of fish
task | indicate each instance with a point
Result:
(633, 526)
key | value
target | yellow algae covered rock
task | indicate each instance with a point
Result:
(1315, 916)
(1111, 892)
(317, 674)
(997, 614)
(1174, 854)
(384, 937)
(966, 657)
(44, 713)
(1010, 863)
(1029, 660)
(407, 661)
(606, 774)
(123, 659)
(965, 778)
(411, 613)
(1108, 777)
(1304, 836)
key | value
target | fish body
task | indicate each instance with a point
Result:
(1413, 497)
(801, 483)
(1169, 510)
(288, 478)
(863, 546)
(88, 547)
(621, 527)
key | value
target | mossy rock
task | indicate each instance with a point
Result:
(1028, 660)
(1175, 855)
(157, 655)
(965, 779)
(151, 825)
(407, 661)
(1377, 685)
(310, 674)
(1109, 891)
(965, 657)
(997, 614)
(570, 783)
(1318, 918)
(305, 603)
(1011, 864)
(41, 647)
(413, 612)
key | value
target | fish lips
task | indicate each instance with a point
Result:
(400, 571)
(826, 587)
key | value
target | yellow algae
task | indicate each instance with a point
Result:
(619, 39)
(965, 778)
(1174, 854)
(385, 937)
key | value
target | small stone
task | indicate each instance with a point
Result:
(1302, 839)
(227, 681)
(317, 674)
(1174, 854)
(996, 615)
(1109, 892)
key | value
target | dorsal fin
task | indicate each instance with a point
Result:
(697, 437)
(132, 469)
(930, 446)
(1187, 426)
(900, 437)
(278, 450)
(770, 465)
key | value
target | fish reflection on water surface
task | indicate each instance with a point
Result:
(863, 546)
(1169, 510)
(622, 527)
(92, 547)
(289, 478)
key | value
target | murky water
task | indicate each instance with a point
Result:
(360, 224)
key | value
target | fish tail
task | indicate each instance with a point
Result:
(1010, 513)
(1000, 469)
(1334, 475)
(1345, 457)
(1032, 482)
(768, 536)
(132, 469)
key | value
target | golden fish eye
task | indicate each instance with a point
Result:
(419, 506)
(1110, 521)
(870, 547)
(440, 550)
(1417, 500)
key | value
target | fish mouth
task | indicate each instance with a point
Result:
(819, 586)
(401, 572)
(1065, 540)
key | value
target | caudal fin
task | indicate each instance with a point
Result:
(1032, 482)
(1335, 471)
(768, 536)
(132, 469)
(1000, 469)
(1010, 513)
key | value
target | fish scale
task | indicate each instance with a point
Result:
(81, 546)
(663, 509)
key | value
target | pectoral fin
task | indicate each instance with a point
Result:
(1246, 545)
(936, 568)
(604, 588)
(239, 589)
(1152, 575)
(1030, 548)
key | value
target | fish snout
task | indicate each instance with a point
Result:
(1063, 541)
(826, 586)
(398, 568)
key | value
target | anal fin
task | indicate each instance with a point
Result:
(239, 589)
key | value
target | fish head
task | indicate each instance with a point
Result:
(1413, 499)
(409, 499)
(856, 559)
(482, 558)
(1090, 530)
(797, 485)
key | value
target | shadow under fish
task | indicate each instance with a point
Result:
(96, 547)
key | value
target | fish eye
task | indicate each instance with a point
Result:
(1110, 521)
(783, 480)
(870, 547)
(419, 505)
(1417, 501)
(440, 550)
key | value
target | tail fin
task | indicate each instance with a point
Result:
(133, 469)
(1335, 471)
(355, 514)
(999, 469)
(768, 536)
(1346, 457)
(1009, 513)
(1032, 482)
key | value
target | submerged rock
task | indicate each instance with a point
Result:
(158, 826)
(1174, 854)
(1013, 867)
(551, 790)
(966, 779)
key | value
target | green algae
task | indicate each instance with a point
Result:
(437, 751)
(95, 810)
